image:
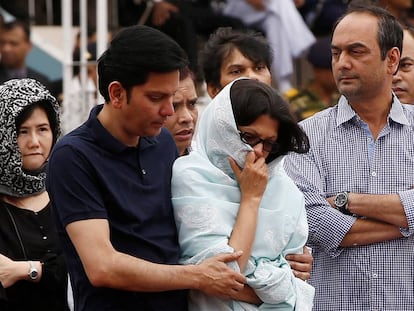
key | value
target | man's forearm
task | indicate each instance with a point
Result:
(369, 231)
(383, 207)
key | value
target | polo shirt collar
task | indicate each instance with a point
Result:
(109, 142)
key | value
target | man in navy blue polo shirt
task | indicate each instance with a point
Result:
(109, 183)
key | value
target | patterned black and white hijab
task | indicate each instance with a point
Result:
(15, 96)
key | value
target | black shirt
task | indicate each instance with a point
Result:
(27, 235)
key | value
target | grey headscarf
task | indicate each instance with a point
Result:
(15, 96)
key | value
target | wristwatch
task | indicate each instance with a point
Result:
(33, 273)
(341, 203)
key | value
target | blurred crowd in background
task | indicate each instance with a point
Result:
(298, 32)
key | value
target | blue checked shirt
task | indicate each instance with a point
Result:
(345, 157)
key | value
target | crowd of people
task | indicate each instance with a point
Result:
(267, 199)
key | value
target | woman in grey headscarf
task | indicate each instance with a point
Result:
(33, 273)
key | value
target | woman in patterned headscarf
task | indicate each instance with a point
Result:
(33, 274)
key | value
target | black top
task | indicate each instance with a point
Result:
(39, 242)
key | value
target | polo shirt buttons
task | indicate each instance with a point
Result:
(143, 172)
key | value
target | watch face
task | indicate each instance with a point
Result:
(33, 274)
(341, 199)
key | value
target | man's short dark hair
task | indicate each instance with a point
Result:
(134, 53)
(186, 72)
(390, 33)
(253, 45)
(18, 24)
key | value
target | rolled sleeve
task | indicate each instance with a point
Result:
(407, 201)
(327, 226)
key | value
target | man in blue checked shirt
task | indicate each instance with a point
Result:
(358, 176)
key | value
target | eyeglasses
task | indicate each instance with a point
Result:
(252, 140)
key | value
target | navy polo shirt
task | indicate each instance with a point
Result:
(91, 175)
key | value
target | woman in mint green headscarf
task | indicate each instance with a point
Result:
(232, 194)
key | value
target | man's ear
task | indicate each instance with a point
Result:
(212, 90)
(393, 58)
(116, 93)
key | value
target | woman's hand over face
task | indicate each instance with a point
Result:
(253, 177)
